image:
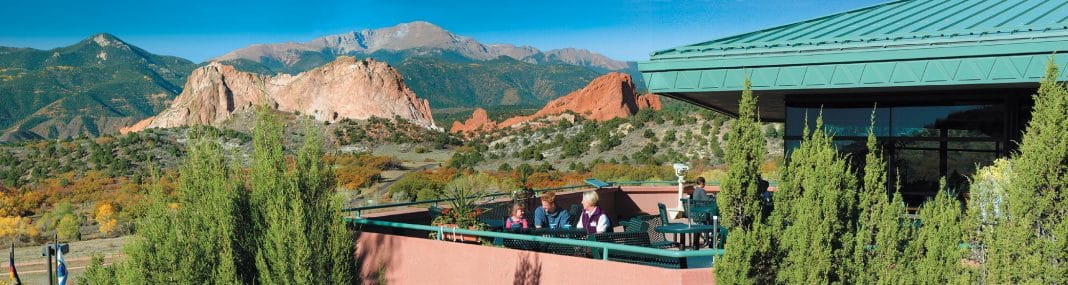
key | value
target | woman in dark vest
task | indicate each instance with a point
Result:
(594, 219)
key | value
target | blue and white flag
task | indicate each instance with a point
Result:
(61, 267)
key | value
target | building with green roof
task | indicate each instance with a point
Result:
(951, 79)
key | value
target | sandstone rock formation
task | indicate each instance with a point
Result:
(345, 88)
(479, 121)
(607, 97)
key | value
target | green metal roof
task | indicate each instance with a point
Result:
(900, 44)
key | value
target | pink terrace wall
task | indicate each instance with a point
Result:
(392, 259)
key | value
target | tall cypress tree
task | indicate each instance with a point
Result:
(303, 238)
(749, 243)
(818, 204)
(739, 196)
(880, 238)
(1031, 245)
(937, 242)
(194, 239)
(327, 234)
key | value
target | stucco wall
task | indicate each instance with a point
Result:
(392, 259)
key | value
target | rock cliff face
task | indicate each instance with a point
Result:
(345, 88)
(607, 97)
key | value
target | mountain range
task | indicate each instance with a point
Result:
(102, 83)
(95, 86)
(412, 40)
(447, 69)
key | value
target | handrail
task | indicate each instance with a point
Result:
(582, 243)
(358, 210)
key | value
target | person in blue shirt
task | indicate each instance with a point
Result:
(549, 215)
(699, 192)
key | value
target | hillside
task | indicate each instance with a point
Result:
(90, 88)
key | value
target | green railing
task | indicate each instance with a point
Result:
(358, 211)
(606, 247)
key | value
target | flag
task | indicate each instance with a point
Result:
(12, 273)
(61, 267)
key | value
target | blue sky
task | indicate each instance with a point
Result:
(198, 30)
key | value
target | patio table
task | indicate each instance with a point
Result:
(681, 230)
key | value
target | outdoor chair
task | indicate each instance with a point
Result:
(574, 213)
(635, 239)
(656, 239)
(663, 215)
(547, 247)
(700, 211)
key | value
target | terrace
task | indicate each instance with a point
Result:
(397, 243)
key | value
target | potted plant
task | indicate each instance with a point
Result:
(463, 194)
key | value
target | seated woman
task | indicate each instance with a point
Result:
(516, 221)
(593, 220)
(549, 215)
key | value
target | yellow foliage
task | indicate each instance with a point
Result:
(104, 211)
(109, 226)
(16, 226)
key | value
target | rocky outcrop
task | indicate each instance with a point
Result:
(479, 121)
(345, 88)
(607, 97)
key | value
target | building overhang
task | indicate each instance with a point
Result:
(885, 48)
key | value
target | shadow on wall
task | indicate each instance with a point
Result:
(373, 270)
(528, 270)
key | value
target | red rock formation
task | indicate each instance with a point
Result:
(345, 88)
(607, 97)
(649, 101)
(479, 121)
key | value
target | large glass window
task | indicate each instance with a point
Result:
(922, 143)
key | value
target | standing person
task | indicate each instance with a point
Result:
(516, 221)
(548, 215)
(699, 192)
(593, 220)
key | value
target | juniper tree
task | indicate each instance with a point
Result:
(880, 238)
(194, 238)
(937, 241)
(749, 259)
(739, 196)
(815, 206)
(302, 236)
(1031, 245)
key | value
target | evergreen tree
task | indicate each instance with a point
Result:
(816, 211)
(1031, 245)
(937, 242)
(192, 240)
(880, 238)
(887, 260)
(303, 238)
(739, 197)
(750, 256)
